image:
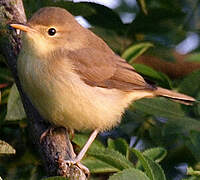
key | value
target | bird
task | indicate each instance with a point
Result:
(74, 79)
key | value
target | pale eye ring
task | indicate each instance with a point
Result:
(51, 31)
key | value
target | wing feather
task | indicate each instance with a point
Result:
(106, 70)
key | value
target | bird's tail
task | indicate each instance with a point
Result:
(181, 98)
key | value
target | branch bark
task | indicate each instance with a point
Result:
(56, 146)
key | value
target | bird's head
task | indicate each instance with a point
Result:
(51, 28)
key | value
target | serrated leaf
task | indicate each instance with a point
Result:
(111, 157)
(129, 174)
(55, 178)
(98, 166)
(5, 148)
(135, 50)
(152, 169)
(81, 139)
(156, 154)
(158, 172)
(144, 163)
(119, 145)
(15, 110)
(157, 106)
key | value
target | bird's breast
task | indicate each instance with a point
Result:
(64, 99)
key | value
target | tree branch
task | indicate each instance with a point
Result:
(56, 146)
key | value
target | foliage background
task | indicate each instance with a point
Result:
(158, 28)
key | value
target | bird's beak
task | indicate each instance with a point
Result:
(22, 27)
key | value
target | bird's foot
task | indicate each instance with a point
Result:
(47, 131)
(79, 164)
(71, 133)
(67, 164)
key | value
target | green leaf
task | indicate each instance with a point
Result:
(55, 178)
(135, 50)
(157, 106)
(152, 169)
(158, 173)
(194, 57)
(191, 84)
(15, 110)
(119, 145)
(5, 148)
(4, 96)
(156, 154)
(194, 144)
(159, 77)
(191, 171)
(179, 126)
(144, 163)
(98, 166)
(111, 157)
(162, 52)
(81, 139)
(5, 75)
(129, 174)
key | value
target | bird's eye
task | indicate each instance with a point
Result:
(51, 31)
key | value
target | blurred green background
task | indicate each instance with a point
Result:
(158, 139)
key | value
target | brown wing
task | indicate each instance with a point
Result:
(101, 69)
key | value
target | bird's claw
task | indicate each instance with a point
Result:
(78, 164)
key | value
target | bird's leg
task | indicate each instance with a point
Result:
(86, 146)
(84, 149)
(75, 160)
